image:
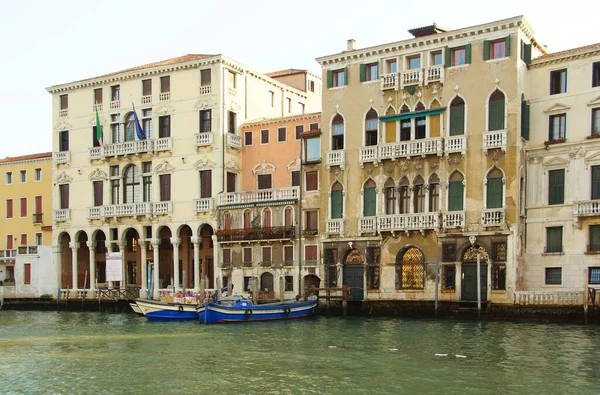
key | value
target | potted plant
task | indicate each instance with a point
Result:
(559, 140)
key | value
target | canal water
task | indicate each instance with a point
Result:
(97, 353)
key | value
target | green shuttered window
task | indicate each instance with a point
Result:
(494, 193)
(525, 120)
(336, 204)
(455, 196)
(554, 239)
(369, 202)
(496, 111)
(595, 182)
(457, 117)
(556, 186)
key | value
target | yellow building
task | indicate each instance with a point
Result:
(423, 160)
(25, 213)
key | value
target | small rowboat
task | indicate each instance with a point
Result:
(242, 310)
(155, 310)
(136, 309)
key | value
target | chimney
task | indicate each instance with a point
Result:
(351, 45)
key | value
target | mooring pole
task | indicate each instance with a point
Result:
(478, 285)
(585, 296)
(437, 281)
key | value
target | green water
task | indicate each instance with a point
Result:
(95, 353)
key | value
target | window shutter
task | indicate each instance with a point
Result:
(98, 193)
(346, 76)
(457, 120)
(594, 237)
(494, 193)
(448, 56)
(165, 187)
(527, 54)
(336, 204)
(329, 78)
(595, 182)
(205, 184)
(556, 184)
(468, 53)
(369, 202)
(496, 115)
(525, 120)
(455, 196)
(507, 40)
(363, 72)
(486, 50)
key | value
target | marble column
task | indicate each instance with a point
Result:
(92, 249)
(196, 241)
(175, 242)
(108, 247)
(123, 282)
(155, 272)
(216, 257)
(58, 265)
(143, 268)
(74, 248)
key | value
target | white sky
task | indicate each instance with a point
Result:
(46, 43)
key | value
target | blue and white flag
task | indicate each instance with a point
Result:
(139, 132)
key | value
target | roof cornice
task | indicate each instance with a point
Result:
(18, 162)
(271, 121)
(435, 39)
(567, 57)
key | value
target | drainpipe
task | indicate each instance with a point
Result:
(300, 222)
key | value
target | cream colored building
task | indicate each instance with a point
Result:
(563, 173)
(423, 160)
(150, 199)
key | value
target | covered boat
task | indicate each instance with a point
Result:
(239, 309)
(155, 310)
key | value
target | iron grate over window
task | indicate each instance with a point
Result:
(498, 276)
(448, 252)
(553, 275)
(448, 277)
(594, 275)
(410, 276)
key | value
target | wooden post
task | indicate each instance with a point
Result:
(84, 282)
(585, 295)
(437, 281)
(328, 296)
(478, 285)
(345, 291)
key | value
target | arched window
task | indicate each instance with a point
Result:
(404, 198)
(405, 125)
(496, 111)
(457, 117)
(337, 205)
(410, 269)
(418, 195)
(371, 126)
(494, 194)
(390, 127)
(132, 184)
(434, 193)
(266, 282)
(337, 132)
(267, 218)
(289, 216)
(247, 219)
(420, 123)
(227, 220)
(456, 192)
(434, 120)
(369, 199)
(130, 127)
(390, 196)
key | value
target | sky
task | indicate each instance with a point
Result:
(45, 43)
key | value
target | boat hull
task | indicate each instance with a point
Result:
(215, 313)
(136, 309)
(161, 311)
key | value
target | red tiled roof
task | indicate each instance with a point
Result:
(41, 155)
(311, 133)
(571, 51)
(285, 72)
(261, 121)
(179, 59)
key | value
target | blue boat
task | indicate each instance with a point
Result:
(155, 310)
(239, 309)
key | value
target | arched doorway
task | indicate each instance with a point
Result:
(468, 285)
(354, 268)
(206, 256)
(100, 258)
(132, 254)
(410, 269)
(266, 284)
(311, 283)
(66, 268)
(186, 257)
(82, 278)
(165, 258)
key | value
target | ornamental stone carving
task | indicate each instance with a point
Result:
(204, 163)
(63, 178)
(164, 168)
(97, 175)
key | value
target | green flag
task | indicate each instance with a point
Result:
(98, 128)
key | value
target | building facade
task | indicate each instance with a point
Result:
(26, 228)
(424, 162)
(260, 238)
(563, 172)
(147, 195)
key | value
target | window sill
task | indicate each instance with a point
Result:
(337, 87)
(458, 66)
(498, 291)
(370, 81)
(591, 253)
(497, 60)
(448, 291)
(410, 290)
(552, 253)
(553, 285)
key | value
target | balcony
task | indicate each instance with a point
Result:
(204, 139)
(493, 217)
(367, 224)
(163, 144)
(453, 219)
(8, 255)
(121, 210)
(367, 154)
(115, 104)
(38, 218)
(98, 107)
(162, 208)
(411, 77)
(257, 234)
(404, 222)
(61, 157)
(147, 99)
(165, 96)
(588, 208)
(205, 90)
(334, 226)
(203, 205)
(455, 144)
(389, 81)
(434, 74)
(234, 141)
(131, 148)
(495, 139)
(310, 263)
(260, 195)
(63, 113)
(336, 158)
(61, 215)
(402, 149)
